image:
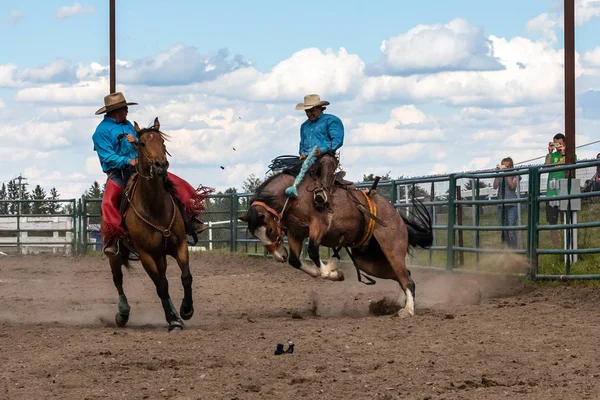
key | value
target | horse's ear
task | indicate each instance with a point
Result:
(156, 124)
(243, 218)
(136, 127)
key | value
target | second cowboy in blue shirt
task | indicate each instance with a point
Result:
(325, 131)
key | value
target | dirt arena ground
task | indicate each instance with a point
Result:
(472, 338)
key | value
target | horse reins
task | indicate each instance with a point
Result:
(139, 149)
(165, 232)
(277, 217)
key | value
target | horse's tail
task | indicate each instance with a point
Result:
(420, 230)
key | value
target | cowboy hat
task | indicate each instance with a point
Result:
(114, 101)
(311, 101)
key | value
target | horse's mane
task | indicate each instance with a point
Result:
(151, 129)
(268, 198)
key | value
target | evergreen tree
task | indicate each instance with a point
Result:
(3, 196)
(54, 207)
(12, 194)
(94, 208)
(39, 207)
(251, 184)
(94, 192)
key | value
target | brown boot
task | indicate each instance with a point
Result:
(111, 249)
(197, 225)
(193, 226)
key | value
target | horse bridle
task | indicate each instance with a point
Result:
(140, 150)
(277, 217)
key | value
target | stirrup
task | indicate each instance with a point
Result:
(320, 197)
(197, 222)
(192, 239)
(110, 254)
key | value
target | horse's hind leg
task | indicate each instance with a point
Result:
(116, 264)
(393, 249)
(183, 260)
(329, 270)
(156, 269)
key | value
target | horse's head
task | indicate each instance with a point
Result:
(152, 149)
(265, 224)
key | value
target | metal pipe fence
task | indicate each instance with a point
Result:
(462, 239)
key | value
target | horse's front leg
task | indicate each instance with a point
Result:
(328, 270)
(116, 264)
(183, 260)
(156, 269)
(295, 245)
(316, 232)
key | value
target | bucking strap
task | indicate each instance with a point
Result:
(370, 223)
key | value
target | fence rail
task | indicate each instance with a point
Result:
(465, 212)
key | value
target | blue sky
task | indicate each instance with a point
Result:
(266, 32)
(486, 74)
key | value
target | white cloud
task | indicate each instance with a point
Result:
(547, 23)
(75, 9)
(235, 117)
(40, 135)
(586, 10)
(180, 65)
(306, 71)
(438, 169)
(59, 70)
(454, 46)
(592, 57)
(15, 17)
(406, 124)
(85, 92)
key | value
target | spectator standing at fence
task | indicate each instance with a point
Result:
(593, 184)
(507, 213)
(556, 155)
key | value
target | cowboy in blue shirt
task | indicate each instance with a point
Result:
(113, 140)
(325, 131)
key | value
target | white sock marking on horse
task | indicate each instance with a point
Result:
(410, 302)
(329, 270)
(310, 269)
(325, 269)
(401, 298)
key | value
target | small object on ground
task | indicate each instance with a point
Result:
(222, 167)
(290, 348)
(279, 349)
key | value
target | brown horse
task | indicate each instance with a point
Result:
(156, 228)
(377, 246)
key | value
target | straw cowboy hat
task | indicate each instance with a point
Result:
(311, 101)
(114, 101)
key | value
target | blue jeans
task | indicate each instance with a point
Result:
(510, 219)
(120, 176)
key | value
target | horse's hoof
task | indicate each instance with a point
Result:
(335, 276)
(121, 319)
(176, 326)
(186, 315)
(404, 313)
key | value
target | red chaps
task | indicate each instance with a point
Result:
(112, 220)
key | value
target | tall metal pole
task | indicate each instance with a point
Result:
(113, 72)
(569, 23)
